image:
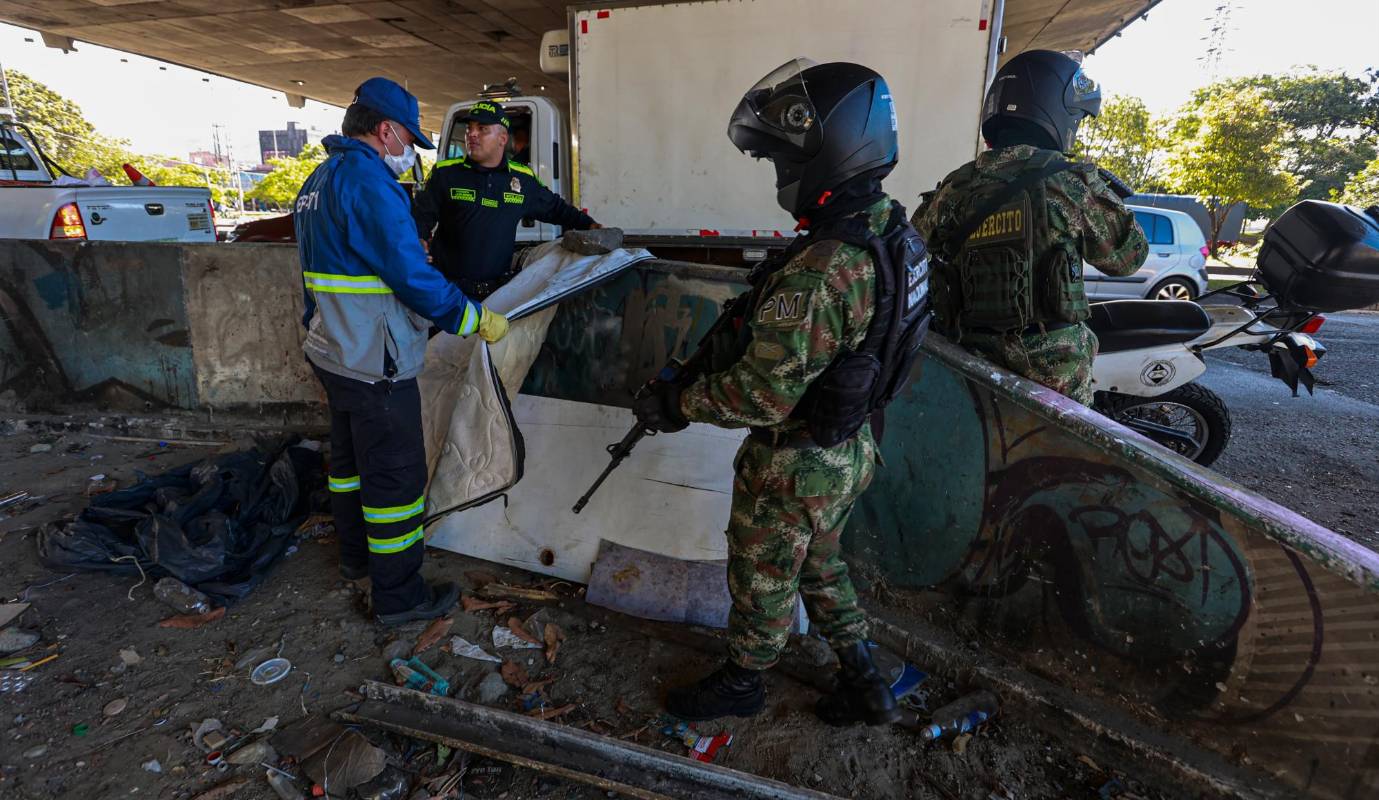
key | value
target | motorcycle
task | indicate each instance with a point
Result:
(1150, 355)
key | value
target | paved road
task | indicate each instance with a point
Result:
(1318, 455)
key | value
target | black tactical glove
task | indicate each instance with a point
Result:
(658, 407)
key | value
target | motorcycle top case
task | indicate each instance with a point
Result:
(1321, 256)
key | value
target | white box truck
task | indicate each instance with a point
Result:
(644, 146)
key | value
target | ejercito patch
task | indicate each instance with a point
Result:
(784, 307)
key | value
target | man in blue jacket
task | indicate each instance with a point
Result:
(371, 299)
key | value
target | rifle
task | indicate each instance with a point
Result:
(675, 371)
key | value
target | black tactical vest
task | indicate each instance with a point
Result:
(1001, 269)
(862, 381)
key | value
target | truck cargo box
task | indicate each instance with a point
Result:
(1321, 256)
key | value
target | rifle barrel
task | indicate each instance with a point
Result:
(618, 453)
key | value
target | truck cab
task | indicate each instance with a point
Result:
(544, 126)
(18, 161)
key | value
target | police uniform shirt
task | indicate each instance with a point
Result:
(478, 210)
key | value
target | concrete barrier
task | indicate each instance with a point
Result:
(137, 326)
(1069, 545)
(1004, 512)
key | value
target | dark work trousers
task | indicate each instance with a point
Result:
(378, 484)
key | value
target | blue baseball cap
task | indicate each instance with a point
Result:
(395, 103)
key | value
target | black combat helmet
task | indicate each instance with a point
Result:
(1043, 92)
(820, 125)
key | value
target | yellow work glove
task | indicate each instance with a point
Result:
(492, 326)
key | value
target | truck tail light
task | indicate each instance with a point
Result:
(210, 206)
(67, 223)
(1313, 325)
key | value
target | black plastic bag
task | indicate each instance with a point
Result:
(218, 525)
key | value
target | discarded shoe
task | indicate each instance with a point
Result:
(731, 690)
(443, 598)
(861, 693)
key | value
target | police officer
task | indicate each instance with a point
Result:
(1010, 230)
(478, 200)
(811, 320)
(371, 298)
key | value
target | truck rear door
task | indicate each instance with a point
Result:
(653, 85)
(144, 214)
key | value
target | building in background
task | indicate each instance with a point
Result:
(282, 143)
(205, 158)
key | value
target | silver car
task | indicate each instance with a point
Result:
(1176, 268)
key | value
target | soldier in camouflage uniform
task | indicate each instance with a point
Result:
(1012, 290)
(792, 497)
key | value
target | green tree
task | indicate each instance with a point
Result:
(281, 185)
(1227, 148)
(1331, 125)
(1127, 140)
(70, 140)
(170, 172)
(1363, 187)
(62, 130)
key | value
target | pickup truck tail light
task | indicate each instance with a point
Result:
(67, 223)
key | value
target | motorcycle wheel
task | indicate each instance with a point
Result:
(1192, 409)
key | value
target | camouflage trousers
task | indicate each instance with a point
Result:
(790, 506)
(1061, 359)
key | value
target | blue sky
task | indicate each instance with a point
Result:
(1155, 59)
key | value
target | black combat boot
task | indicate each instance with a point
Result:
(861, 693)
(730, 690)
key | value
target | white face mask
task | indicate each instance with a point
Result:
(401, 162)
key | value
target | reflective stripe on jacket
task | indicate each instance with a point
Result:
(371, 297)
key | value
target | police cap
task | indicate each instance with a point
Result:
(486, 112)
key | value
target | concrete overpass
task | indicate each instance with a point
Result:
(442, 49)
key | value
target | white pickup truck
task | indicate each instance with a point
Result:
(35, 205)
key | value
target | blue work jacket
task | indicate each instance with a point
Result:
(371, 296)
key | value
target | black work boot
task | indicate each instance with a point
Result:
(861, 693)
(730, 690)
(443, 598)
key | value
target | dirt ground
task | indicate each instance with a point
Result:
(56, 740)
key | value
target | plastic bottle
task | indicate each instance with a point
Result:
(284, 787)
(961, 715)
(181, 597)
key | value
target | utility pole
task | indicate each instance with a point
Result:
(225, 152)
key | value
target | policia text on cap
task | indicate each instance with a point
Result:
(478, 200)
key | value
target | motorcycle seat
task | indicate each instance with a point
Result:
(1136, 324)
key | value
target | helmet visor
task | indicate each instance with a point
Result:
(778, 105)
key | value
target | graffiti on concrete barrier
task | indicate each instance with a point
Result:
(77, 330)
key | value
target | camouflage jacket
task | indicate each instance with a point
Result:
(1081, 208)
(815, 305)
